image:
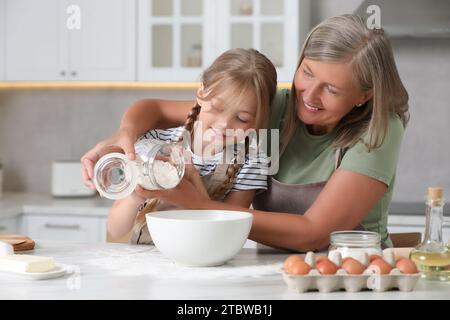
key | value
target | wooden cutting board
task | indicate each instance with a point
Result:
(19, 242)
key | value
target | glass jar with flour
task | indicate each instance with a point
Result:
(158, 165)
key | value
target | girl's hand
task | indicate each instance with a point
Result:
(191, 174)
(185, 195)
(122, 141)
(136, 198)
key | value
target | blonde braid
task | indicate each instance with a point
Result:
(231, 171)
(190, 120)
(151, 204)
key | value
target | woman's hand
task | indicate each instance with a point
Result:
(186, 195)
(122, 141)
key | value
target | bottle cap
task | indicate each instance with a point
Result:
(435, 193)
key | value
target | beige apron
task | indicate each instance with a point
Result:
(140, 233)
(290, 198)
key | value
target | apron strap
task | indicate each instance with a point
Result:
(339, 154)
(220, 172)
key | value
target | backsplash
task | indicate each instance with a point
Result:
(38, 126)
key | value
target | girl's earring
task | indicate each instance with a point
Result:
(359, 105)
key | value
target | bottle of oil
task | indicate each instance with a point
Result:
(432, 256)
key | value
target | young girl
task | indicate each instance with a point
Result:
(235, 95)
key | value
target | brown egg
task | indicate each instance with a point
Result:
(300, 268)
(290, 261)
(352, 266)
(325, 266)
(374, 256)
(406, 265)
(346, 258)
(380, 266)
(321, 258)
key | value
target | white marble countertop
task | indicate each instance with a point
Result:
(121, 271)
(14, 204)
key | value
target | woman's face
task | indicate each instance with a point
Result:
(224, 123)
(326, 92)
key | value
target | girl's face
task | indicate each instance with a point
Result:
(223, 123)
(326, 92)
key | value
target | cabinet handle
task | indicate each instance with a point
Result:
(446, 222)
(2, 228)
(73, 73)
(63, 73)
(62, 226)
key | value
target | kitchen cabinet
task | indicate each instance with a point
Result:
(10, 225)
(41, 44)
(36, 40)
(67, 228)
(2, 40)
(104, 47)
(404, 223)
(272, 27)
(178, 39)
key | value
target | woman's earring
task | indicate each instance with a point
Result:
(359, 105)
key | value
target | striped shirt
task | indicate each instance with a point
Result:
(251, 176)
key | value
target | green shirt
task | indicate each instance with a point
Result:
(310, 158)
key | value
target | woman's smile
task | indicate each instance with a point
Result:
(311, 107)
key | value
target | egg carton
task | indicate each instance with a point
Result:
(350, 282)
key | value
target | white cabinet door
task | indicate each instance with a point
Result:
(41, 45)
(36, 40)
(104, 46)
(9, 226)
(66, 228)
(271, 27)
(175, 39)
(2, 39)
(180, 38)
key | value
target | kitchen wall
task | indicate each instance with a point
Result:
(425, 155)
(41, 125)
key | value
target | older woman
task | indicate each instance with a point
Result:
(341, 123)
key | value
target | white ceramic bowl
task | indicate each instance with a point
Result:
(199, 238)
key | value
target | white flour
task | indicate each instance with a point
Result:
(165, 174)
(148, 261)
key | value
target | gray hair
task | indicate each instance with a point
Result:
(346, 38)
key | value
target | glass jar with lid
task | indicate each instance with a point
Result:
(158, 165)
(356, 243)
